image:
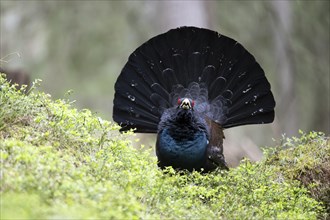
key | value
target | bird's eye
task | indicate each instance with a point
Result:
(179, 101)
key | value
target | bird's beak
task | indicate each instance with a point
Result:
(185, 104)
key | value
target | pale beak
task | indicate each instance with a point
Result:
(185, 104)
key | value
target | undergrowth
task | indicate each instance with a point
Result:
(58, 162)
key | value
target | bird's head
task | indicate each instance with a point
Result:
(186, 103)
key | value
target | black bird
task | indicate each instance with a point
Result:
(187, 85)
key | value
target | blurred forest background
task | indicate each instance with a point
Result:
(82, 45)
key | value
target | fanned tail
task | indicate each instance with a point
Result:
(224, 79)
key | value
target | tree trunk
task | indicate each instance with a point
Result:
(184, 13)
(286, 103)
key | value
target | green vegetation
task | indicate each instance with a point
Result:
(59, 162)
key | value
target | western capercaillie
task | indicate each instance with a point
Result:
(187, 85)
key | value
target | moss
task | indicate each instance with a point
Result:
(306, 159)
(72, 164)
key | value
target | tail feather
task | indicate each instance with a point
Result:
(262, 118)
(257, 108)
(138, 124)
(229, 85)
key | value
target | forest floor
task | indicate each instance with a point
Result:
(58, 162)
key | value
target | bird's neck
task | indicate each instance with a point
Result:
(184, 124)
